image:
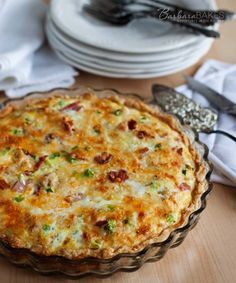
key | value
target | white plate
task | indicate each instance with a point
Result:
(58, 44)
(123, 57)
(114, 66)
(142, 75)
(140, 36)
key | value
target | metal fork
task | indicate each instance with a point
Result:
(122, 16)
(173, 10)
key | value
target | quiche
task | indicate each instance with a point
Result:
(85, 176)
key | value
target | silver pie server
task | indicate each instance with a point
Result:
(197, 117)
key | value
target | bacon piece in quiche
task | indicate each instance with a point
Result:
(101, 223)
(180, 151)
(97, 128)
(74, 198)
(118, 176)
(38, 189)
(19, 187)
(4, 185)
(122, 126)
(144, 134)
(142, 150)
(103, 158)
(73, 107)
(50, 137)
(40, 162)
(79, 155)
(28, 173)
(68, 125)
(132, 124)
(184, 187)
(141, 214)
(86, 236)
(28, 153)
(143, 229)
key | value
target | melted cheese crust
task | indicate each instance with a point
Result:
(85, 176)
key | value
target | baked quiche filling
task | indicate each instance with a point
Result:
(88, 176)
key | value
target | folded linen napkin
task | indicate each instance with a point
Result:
(48, 72)
(221, 77)
(21, 31)
(26, 64)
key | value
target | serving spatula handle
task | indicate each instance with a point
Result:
(221, 133)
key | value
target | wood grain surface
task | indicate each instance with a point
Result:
(208, 255)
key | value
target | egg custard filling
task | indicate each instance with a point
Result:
(87, 176)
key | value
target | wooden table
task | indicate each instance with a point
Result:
(208, 255)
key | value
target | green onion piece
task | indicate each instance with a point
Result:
(76, 232)
(158, 146)
(18, 132)
(62, 103)
(71, 159)
(171, 219)
(154, 185)
(19, 198)
(96, 244)
(158, 187)
(49, 190)
(89, 173)
(5, 151)
(98, 112)
(143, 119)
(184, 172)
(46, 227)
(189, 167)
(127, 221)
(111, 207)
(54, 155)
(117, 112)
(28, 121)
(75, 148)
(110, 226)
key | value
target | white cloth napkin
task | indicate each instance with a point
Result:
(26, 65)
(221, 77)
(21, 31)
(48, 72)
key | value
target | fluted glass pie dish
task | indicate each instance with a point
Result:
(123, 261)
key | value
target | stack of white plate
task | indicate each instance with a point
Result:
(143, 49)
